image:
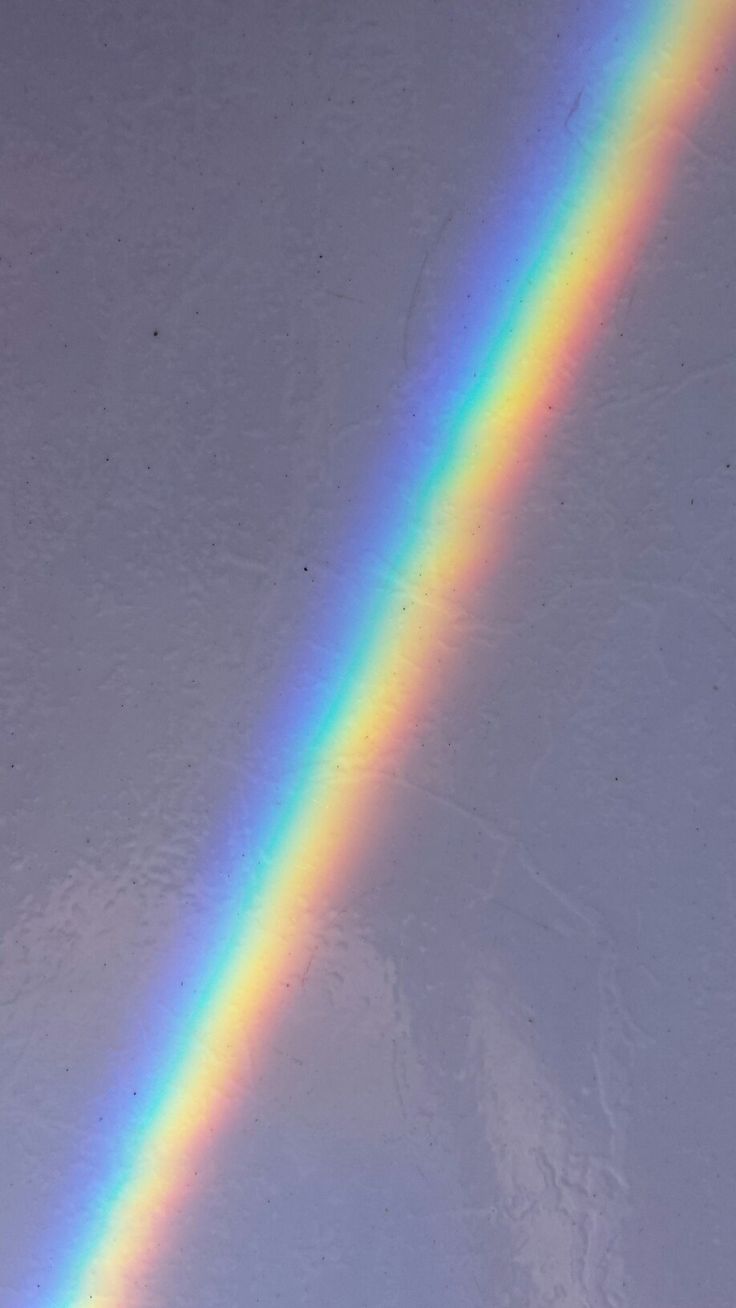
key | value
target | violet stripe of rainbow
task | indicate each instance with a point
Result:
(586, 247)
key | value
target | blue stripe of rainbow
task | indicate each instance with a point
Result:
(443, 542)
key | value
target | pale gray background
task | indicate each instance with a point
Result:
(507, 1080)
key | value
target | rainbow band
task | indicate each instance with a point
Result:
(589, 245)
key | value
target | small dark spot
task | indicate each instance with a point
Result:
(155, 331)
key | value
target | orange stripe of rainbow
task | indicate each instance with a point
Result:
(581, 268)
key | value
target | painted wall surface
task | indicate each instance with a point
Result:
(480, 1051)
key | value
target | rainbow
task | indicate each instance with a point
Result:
(586, 243)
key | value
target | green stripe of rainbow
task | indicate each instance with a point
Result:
(587, 247)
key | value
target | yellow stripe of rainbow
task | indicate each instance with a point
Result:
(582, 265)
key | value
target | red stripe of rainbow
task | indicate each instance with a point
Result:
(586, 251)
